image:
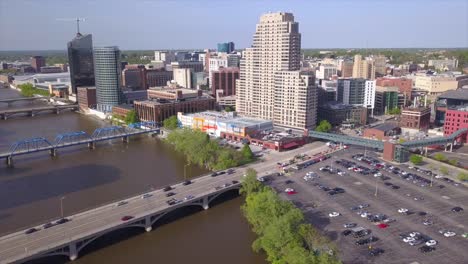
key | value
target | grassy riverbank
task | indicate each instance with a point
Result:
(282, 231)
(28, 90)
(201, 150)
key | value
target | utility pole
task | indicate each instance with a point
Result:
(61, 206)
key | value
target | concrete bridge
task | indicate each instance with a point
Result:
(69, 238)
(32, 111)
(10, 101)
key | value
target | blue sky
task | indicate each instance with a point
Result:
(190, 24)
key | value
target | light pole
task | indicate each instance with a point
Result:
(376, 185)
(432, 177)
(185, 171)
(61, 206)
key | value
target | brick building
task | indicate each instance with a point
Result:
(122, 109)
(166, 102)
(134, 77)
(224, 79)
(456, 118)
(416, 118)
(404, 85)
(37, 62)
(382, 131)
(158, 77)
(86, 97)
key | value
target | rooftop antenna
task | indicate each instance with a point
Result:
(77, 20)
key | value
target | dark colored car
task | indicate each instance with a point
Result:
(214, 174)
(422, 213)
(235, 182)
(388, 183)
(126, 218)
(168, 188)
(376, 251)
(457, 209)
(339, 190)
(171, 201)
(31, 230)
(346, 232)
(187, 182)
(331, 193)
(221, 172)
(395, 187)
(48, 225)
(169, 194)
(230, 171)
(62, 221)
(288, 181)
(425, 249)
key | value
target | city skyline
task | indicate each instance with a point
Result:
(333, 24)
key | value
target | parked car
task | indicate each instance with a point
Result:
(169, 194)
(146, 195)
(376, 251)
(62, 221)
(457, 209)
(333, 214)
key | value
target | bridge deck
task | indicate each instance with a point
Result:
(39, 108)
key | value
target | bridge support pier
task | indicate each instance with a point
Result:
(9, 161)
(32, 114)
(53, 152)
(148, 226)
(206, 206)
(4, 117)
(91, 145)
(125, 139)
(57, 111)
(73, 252)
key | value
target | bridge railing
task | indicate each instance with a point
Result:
(29, 145)
(70, 137)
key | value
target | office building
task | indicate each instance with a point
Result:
(158, 77)
(456, 118)
(436, 84)
(417, 118)
(224, 79)
(107, 73)
(164, 56)
(226, 47)
(387, 98)
(37, 62)
(383, 131)
(217, 62)
(183, 77)
(196, 66)
(326, 71)
(443, 65)
(270, 85)
(405, 85)
(346, 70)
(356, 91)
(134, 77)
(380, 65)
(449, 99)
(363, 68)
(80, 60)
(338, 114)
(86, 97)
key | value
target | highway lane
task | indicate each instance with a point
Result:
(108, 216)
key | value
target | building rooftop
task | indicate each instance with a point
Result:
(386, 126)
(461, 94)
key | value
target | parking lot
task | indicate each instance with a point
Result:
(432, 205)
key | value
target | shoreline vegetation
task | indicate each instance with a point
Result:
(201, 150)
(281, 229)
(28, 90)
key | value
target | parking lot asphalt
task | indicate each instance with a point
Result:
(360, 189)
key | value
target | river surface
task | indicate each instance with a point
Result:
(30, 193)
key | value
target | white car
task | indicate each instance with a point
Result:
(378, 174)
(449, 234)
(408, 239)
(438, 176)
(413, 234)
(310, 173)
(431, 243)
(365, 214)
(403, 210)
(341, 173)
(289, 190)
(333, 214)
(307, 177)
(389, 220)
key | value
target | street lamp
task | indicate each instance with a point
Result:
(376, 185)
(61, 206)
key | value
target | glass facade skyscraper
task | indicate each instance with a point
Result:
(107, 74)
(226, 47)
(80, 59)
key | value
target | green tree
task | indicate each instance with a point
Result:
(453, 162)
(324, 126)
(444, 170)
(247, 153)
(250, 184)
(416, 159)
(171, 123)
(462, 176)
(440, 157)
(131, 117)
(229, 108)
(394, 111)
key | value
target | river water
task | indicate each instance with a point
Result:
(30, 193)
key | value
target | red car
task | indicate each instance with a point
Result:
(290, 193)
(382, 226)
(126, 218)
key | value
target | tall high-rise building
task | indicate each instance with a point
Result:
(363, 68)
(80, 60)
(107, 73)
(227, 47)
(270, 84)
(356, 91)
(37, 62)
(224, 79)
